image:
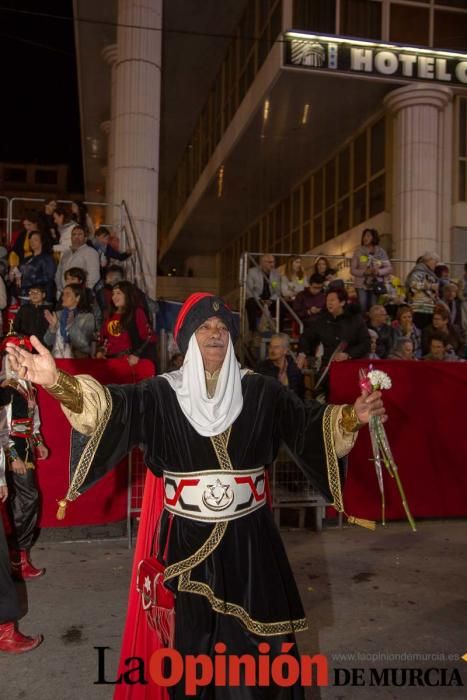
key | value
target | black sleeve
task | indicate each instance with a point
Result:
(361, 345)
(123, 427)
(309, 339)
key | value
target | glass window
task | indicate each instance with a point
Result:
(15, 174)
(462, 180)
(409, 25)
(343, 215)
(361, 18)
(377, 147)
(359, 160)
(377, 195)
(359, 206)
(296, 208)
(306, 200)
(315, 15)
(451, 3)
(344, 171)
(450, 30)
(329, 224)
(318, 192)
(330, 194)
(318, 230)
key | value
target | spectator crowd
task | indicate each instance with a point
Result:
(63, 280)
(372, 315)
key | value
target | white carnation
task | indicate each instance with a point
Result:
(379, 379)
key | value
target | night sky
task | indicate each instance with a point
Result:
(40, 106)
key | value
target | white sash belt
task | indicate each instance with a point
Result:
(214, 495)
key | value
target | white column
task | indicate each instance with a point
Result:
(420, 152)
(137, 120)
(109, 53)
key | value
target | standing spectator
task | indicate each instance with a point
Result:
(403, 350)
(281, 365)
(46, 222)
(453, 304)
(262, 287)
(293, 280)
(442, 273)
(30, 319)
(370, 266)
(336, 325)
(106, 252)
(378, 321)
(441, 327)
(75, 275)
(80, 215)
(79, 255)
(309, 303)
(64, 225)
(323, 268)
(422, 289)
(71, 330)
(38, 270)
(20, 248)
(439, 349)
(404, 327)
(126, 331)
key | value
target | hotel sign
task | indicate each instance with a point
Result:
(373, 59)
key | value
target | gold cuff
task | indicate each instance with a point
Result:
(67, 390)
(349, 421)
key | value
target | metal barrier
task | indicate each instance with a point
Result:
(4, 211)
(113, 212)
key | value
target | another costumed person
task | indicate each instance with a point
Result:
(22, 441)
(11, 639)
(208, 430)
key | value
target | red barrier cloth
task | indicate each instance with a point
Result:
(426, 430)
(138, 638)
(107, 501)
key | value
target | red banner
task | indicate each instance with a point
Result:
(427, 434)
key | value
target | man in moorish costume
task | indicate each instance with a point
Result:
(208, 429)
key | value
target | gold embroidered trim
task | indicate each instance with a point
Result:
(200, 555)
(219, 443)
(89, 451)
(334, 479)
(68, 391)
(269, 629)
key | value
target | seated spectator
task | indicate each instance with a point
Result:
(76, 275)
(71, 330)
(422, 288)
(323, 268)
(126, 331)
(176, 361)
(80, 215)
(451, 301)
(439, 349)
(3, 301)
(378, 321)
(403, 350)
(20, 248)
(441, 326)
(404, 327)
(106, 251)
(262, 287)
(281, 365)
(293, 281)
(64, 225)
(335, 326)
(309, 303)
(79, 255)
(30, 318)
(370, 268)
(373, 340)
(37, 270)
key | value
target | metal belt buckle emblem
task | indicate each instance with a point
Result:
(217, 496)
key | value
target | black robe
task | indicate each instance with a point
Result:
(237, 570)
